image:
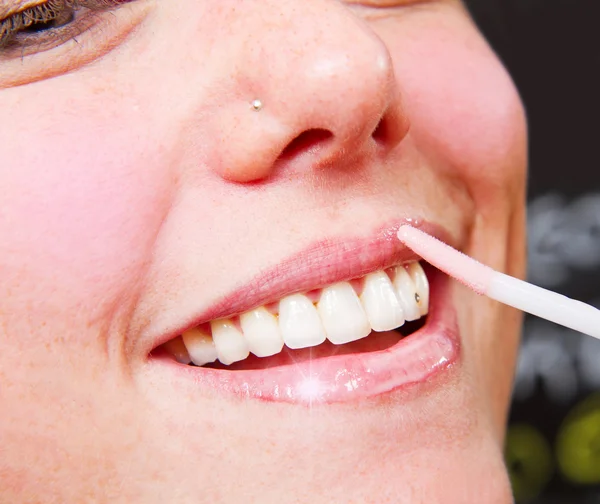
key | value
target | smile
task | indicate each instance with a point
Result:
(391, 328)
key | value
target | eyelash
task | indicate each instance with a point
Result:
(14, 29)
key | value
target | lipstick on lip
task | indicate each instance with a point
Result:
(347, 375)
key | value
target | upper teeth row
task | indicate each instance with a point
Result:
(387, 300)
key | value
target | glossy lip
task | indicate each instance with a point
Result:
(412, 362)
(321, 264)
(416, 361)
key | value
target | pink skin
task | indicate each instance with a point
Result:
(138, 185)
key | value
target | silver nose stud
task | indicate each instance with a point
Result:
(256, 105)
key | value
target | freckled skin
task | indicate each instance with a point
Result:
(142, 187)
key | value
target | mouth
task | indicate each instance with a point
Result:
(363, 320)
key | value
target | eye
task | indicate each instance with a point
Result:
(61, 18)
(36, 23)
(37, 19)
(54, 37)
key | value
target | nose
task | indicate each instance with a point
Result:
(317, 90)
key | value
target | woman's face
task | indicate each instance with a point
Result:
(145, 193)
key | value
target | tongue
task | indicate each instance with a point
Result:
(372, 343)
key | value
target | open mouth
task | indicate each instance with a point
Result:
(326, 320)
(356, 336)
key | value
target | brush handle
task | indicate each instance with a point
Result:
(544, 303)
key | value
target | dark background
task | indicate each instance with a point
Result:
(552, 50)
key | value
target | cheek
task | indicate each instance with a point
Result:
(83, 198)
(463, 106)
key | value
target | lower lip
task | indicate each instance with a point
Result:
(415, 360)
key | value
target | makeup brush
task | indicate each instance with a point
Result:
(501, 287)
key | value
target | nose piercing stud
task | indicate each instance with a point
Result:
(256, 105)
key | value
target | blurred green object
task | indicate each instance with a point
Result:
(529, 460)
(578, 443)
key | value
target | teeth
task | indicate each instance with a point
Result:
(200, 346)
(299, 322)
(381, 303)
(419, 278)
(262, 332)
(229, 341)
(406, 292)
(176, 348)
(342, 315)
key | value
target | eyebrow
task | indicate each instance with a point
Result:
(9, 7)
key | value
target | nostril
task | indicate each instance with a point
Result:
(381, 134)
(308, 141)
(391, 129)
(381, 131)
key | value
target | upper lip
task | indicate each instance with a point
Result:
(320, 264)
